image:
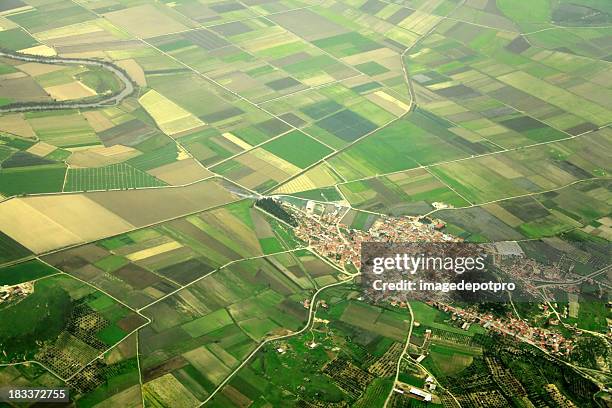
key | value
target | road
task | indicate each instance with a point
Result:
(311, 312)
(107, 100)
(542, 283)
(401, 357)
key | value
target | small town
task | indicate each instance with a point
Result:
(327, 235)
(551, 341)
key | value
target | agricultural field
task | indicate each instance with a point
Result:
(112, 177)
(137, 270)
(11, 250)
(411, 192)
(421, 139)
(25, 272)
(580, 205)
(81, 323)
(228, 313)
(273, 162)
(49, 222)
(145, 265)
(530, 170)
(343, 367)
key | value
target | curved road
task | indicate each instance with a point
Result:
(113, 99)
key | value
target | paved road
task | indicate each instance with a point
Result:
(113, 99)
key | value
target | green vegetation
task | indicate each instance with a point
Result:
(39, 317)
(24, 272)
(155, 158)
(273, 207)
(11, 250)
(115, 176)
(421, 139)
(322, 194)
(101, 80)
(297, 148)
(208, 323)
(32, 179)
(412, 192)
(16, 39)
(343, 45)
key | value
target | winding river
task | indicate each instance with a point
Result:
(107, 100)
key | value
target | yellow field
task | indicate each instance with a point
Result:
(156, 250)
(70, 91)
(151, 21)
(97, 120)
(503, 214)
(170, 117)
(101, 156)
(182, 153)
(45, 223)
(317, 177)
(388, 103)
(208, 364)
(237, 141)
(574, 305)
(180, 172)
(42, 50)
(404, 37)
(87, 27)
(17, 125)
(167, 391)
(419, 22)
(275, 161)
(35, 69)
(264, 166)
(318, 79)
(134, 71)
(16, 10)
(383, 56)
(13, 75)
(273, 36)
(41, 149)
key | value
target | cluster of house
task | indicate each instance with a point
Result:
(327, 235)
(549, 340)
(10, 293)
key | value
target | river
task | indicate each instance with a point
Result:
(110, 100)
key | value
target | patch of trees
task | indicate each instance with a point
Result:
(588, 348)
(39, 317)
(271, 206)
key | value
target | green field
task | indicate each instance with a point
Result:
(11, 250)
(16, 39)
(421, 139)
(101, 80)
(208, 323)
(33, 179)
(411, 192)
(24, 272)
(24, 325)
(116, 176)
(157, 157)
(297, 148)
